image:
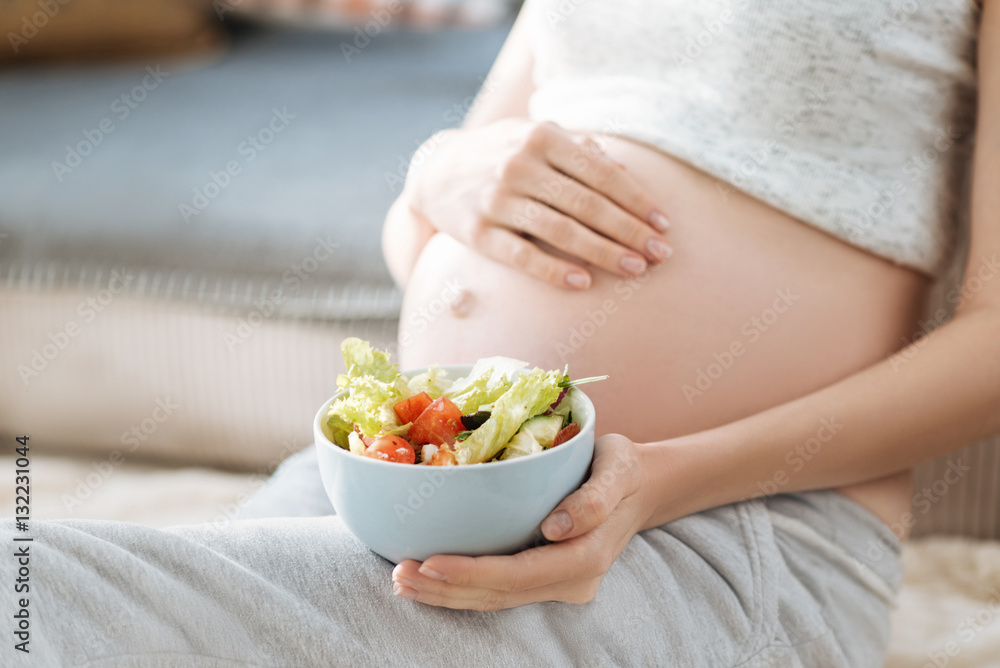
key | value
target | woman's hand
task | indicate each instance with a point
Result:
(592, 527)
(490, 186)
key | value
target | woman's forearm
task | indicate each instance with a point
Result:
(931, 398)
(404, 235)
(935, 396)
(407, 228)
(504, 95)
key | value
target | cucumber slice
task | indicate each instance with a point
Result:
(522, 444)
(544, 428)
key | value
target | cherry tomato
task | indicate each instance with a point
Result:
(391, 449)
(407, 410)
(566, 433)
(439, 423)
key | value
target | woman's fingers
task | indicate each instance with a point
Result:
(580, 512)
(522, 254)
(446, 595)
(562, 571)
(528, 569)
(585, 185)
(585, 203)
(599, 213)
(567, 571)
(568, 235)
(585, 161)
(570, 570)
(614, 477)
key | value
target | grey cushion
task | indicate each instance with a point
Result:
(330, 174)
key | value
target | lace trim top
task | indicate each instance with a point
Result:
(854, 116)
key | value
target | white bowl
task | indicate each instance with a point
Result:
(404, 511)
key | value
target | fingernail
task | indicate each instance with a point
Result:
(402, 582)
(575, 279)
(431, 573)
(557, 525)
(658, 249)
(404, 592)
(659, 221)
(633, 264)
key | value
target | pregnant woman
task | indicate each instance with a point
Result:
(735, 210)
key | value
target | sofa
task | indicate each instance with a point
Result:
(185, 239)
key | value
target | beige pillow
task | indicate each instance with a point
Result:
(35, 29)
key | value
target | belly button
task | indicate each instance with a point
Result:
(462, 303)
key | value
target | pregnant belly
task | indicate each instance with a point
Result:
(753, 309)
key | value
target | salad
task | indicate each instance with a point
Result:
(500, 410)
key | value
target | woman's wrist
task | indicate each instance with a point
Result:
(691, 473)
(414, 187)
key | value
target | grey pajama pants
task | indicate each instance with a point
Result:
(797, 580)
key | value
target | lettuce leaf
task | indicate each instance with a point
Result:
(360, 359)
(367, 404)
(372, 385)
(531, 393)
(432, 381)
(481, 391)
(490, 378)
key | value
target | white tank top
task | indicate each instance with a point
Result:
(853, 116)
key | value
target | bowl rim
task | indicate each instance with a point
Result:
(325, 409)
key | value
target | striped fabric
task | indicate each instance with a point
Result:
(958, 493)
(174, 368)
